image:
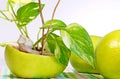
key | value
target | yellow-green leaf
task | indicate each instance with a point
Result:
(77, 39)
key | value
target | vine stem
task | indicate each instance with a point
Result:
(5, 17)
(42, 19)
(14, 16)
(53, 14)
(12, 10)
(38, 37)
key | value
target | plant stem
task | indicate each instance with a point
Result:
(42, 19)
(38, 40)
(14, 16)
(38, 37)
(5, 17)
(36, 43)
(53, 14)
(12, 10)
(26, 31)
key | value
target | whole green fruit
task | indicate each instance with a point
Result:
(108, 55)
(32, 66)
(79, 64)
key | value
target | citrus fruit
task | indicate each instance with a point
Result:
(108, 55)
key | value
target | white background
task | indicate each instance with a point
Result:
(98, 17)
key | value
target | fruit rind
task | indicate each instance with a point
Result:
(30, 65)
(108, 55)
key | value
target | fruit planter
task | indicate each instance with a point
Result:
(32, 66)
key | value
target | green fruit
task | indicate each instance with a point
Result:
(30, 65)
(108, 55)
(79, 64)
(95, 40)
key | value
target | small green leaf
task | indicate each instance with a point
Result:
(3, 44)
(55, 24)
(78, 41)
(27, 13)
(56, 46)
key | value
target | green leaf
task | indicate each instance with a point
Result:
(78, 41)
(56, 46)
(55, 24)
(27, 13)
(51, 42)
(3, 44)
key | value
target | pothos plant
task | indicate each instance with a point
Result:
(73, 38)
